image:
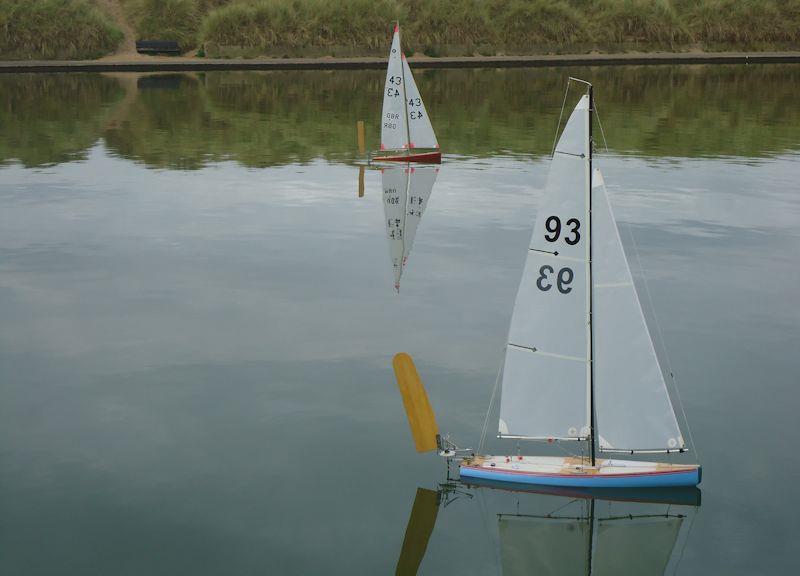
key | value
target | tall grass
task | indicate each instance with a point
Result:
(467, 26)
(301, 23)
(653, 22)
(54, 29)
(745, 22)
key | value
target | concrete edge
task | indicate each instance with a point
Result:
(185, 64)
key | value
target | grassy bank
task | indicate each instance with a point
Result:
(75, 28)
(463, 27)
(54, 30)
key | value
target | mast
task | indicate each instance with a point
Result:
(405, 96)
(592, 423)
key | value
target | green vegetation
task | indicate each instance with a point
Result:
(297, 24)
(54, 29)
(436, 27)
(75, 28)
(167, 19)
(259, 119)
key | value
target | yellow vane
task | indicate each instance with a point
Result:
(421, 418)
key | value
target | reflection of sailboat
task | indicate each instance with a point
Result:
(576, 540)
(635, 544)
(406, 131)
(580, 364)
(406, 191)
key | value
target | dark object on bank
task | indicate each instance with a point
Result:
(158, 47)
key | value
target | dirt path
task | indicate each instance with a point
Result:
(127, 48)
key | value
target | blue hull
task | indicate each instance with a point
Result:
(660, 480)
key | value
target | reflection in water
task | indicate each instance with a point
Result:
(51, 118)
(564, 532)
(186, 121)
(406, 191)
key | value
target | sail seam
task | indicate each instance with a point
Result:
(614, 285)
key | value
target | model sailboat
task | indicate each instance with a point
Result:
(406, 191)
(579, 364)
(406, 131)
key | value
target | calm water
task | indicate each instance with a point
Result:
(198, 316)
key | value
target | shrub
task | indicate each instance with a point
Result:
(54, 29)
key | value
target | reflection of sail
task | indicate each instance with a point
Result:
(591, 543)
(639, 546)
(418, 531)
(406, 191)
(530, 545)
(570, 534)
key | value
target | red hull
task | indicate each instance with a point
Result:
(422, 157)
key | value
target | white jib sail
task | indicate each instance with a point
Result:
(633, 408)
(544, 546)
(545, 377)
(394, 123)
(395, 195)
(419, 123)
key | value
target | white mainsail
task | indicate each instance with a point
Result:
(394, 121)
(530, 545)
(635, 546)
(406, 191)
(545, 376)
(420, 130)
(633, 407)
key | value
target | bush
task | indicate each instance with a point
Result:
(54, 29)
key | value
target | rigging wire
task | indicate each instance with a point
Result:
(661, 340)
(560, 116)
(488, 412)
(600, 124)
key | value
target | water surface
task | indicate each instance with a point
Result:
(199, 312)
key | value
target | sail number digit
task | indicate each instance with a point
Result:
(391, 83)
(553, 226)
(563, 279)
